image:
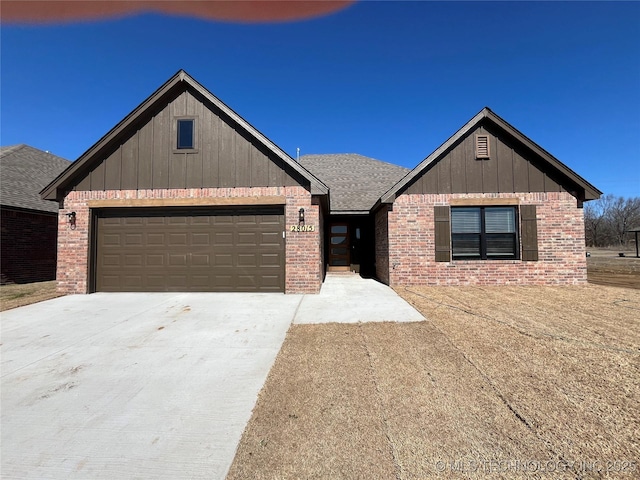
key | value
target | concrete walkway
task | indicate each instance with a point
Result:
(348, 298)
(156, 385)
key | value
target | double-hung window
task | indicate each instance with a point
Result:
(484, 233)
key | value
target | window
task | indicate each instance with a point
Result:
(186, 134)
(484, 233)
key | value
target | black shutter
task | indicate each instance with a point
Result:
(529, 233)
(443, 233)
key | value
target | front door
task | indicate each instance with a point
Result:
(339, 246)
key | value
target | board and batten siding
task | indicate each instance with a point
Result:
(510, 168)
(224, 155)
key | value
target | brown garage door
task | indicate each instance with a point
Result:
(197, 250)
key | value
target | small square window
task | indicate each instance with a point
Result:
(186, 134)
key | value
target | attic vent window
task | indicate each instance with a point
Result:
(482, 146)
(186, 134)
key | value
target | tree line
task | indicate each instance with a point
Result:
(607, 220)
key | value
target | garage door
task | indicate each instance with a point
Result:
(153, 250)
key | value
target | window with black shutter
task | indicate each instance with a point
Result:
(484, 233)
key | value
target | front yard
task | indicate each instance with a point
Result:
(502, 382)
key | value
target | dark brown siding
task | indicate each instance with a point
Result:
(511, 168)
(224, 155)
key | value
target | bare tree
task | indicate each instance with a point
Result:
(624, 214)
(596, 221)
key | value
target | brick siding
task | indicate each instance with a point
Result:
(28, 247)
(411, 249)
(303, 270)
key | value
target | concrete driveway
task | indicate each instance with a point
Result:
(157, 385)
(134, 385)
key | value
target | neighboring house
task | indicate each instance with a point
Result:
(185, 195)
(29, 223)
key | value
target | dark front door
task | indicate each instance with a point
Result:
(339, 246)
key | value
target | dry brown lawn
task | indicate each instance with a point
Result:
(502, 382)
(13, 296)
(606, 267)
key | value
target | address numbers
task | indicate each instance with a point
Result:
(302, 228)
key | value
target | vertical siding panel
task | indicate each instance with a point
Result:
(505, 167)
(206, 146)
(191, 104)
(226, 151)
(259, 168)
(536, 179)
(443, 168)
(275, 174)
(429, 181)
(458, 173)
(242, 164)
(130, 163)
(550, 185)
(193, 161)
(145, 156)
(97, 177)
(211, 165)
(161, 138)
(473, 167)
(113, 170)
(520, 173)
(84, 184)
(490, 166)
(177, 161)
(178, 170)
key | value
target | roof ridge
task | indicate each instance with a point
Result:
(11, 149)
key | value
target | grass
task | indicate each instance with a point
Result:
(606, 267)
(502, 382)
(13, 296)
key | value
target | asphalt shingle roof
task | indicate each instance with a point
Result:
(355, 182)
(24, 172)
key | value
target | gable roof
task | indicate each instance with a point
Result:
(589, 191)
(56, 189)
(355, 181)
(24, 171)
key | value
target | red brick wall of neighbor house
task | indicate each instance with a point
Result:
(561, 247)
(28, 247)
(303, 260)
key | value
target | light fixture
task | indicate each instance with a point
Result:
(71, 218)
(301, 216)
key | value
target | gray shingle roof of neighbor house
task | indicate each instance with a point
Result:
(55, 190)
(589, 192)
(24, 171)
(355, 181)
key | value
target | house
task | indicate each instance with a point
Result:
(185, 195)
(28, 223)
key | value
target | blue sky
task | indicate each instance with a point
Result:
(390, 80)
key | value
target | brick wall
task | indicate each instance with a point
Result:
(28, 247)
(303, 257)
(561, 248)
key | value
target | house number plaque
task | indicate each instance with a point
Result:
(302, 228)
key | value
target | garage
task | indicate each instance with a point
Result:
(189, 250)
